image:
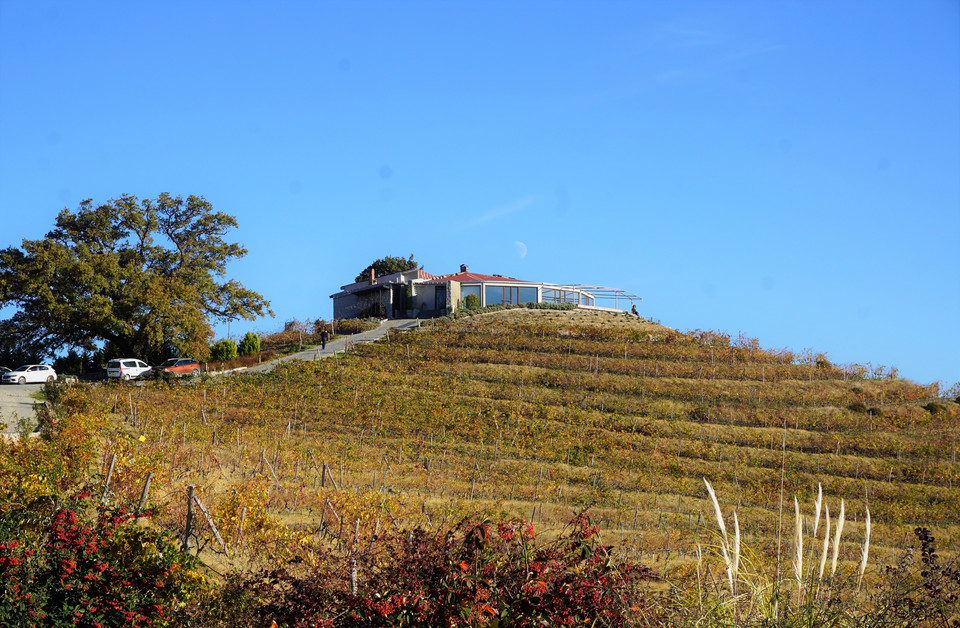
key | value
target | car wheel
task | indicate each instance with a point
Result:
(49, 378)
(22, 380)
(126, 377)
(196, 371)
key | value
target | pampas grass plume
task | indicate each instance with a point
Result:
(866, 550)
(816, 506)
(731, 556)
(836, 541)
(826, 541)
(798, 543)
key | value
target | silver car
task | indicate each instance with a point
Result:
(30, 374)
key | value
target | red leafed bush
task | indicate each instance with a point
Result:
(477, 574)
(96, 570)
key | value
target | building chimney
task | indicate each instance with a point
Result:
(373, 277)
(464, 268)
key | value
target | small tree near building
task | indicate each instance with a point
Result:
(388, 265)
(249, 344)
(223, 351)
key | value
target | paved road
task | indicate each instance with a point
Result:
(16, 402)
(340, 344)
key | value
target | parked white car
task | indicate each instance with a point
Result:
(127, 368)
(30, 374)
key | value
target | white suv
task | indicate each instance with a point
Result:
(127, 368)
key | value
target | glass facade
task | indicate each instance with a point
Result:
(509, 295)
(551, 295)
(505, 294)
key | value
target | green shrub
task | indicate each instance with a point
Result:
(857, 406)
(52, 391)
(355, 325)
(550, 306)
(223, 351)
(250, 344)
(472, 302)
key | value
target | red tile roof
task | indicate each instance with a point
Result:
(469, 277)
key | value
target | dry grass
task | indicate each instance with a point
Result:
(581, 318)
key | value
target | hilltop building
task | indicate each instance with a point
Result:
(419, 294)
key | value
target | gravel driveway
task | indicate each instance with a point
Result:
(16, 402)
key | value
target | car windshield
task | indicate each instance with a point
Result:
(22, 368)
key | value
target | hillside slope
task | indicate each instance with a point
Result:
(542, 414)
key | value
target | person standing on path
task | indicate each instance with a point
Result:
(324, 336)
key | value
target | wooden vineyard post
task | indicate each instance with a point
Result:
(329, 474)
(315, 466)
(243, 516)
(213, 528)
(106, 483)
(188, 526)
(263, 459)
(144, 492)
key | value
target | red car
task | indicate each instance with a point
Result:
(180, 366)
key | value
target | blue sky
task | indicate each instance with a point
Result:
(789, 170)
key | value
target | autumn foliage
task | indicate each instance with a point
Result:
(90, 566)
(475, 574)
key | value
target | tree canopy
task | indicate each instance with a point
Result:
(388, 265)
(146, 276)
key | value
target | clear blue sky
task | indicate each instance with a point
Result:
(789, 170)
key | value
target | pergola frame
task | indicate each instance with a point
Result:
(604, 293)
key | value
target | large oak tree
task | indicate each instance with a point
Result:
(147, 276)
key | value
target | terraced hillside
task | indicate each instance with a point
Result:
(541, 414)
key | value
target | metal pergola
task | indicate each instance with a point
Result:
(604, 293)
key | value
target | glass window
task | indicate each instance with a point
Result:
(527, 295)
(465, 290)
(494, 295)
